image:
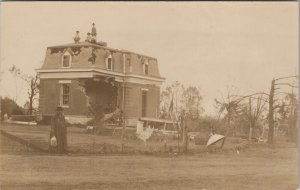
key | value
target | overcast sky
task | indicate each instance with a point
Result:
(207, 44)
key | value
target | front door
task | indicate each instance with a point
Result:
(144, 103)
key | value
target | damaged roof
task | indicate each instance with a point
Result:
(97, 45)
(94, 55)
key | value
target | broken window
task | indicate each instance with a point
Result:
(65, 94)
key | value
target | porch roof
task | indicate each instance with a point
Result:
(95, 72)
(155, 120)
(91, 72)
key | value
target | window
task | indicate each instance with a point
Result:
(146, 67)
(66, 59)
(109, 64)
(64, 94)
(130, 67)
(144, 103)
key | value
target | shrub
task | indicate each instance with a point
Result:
(10, 107)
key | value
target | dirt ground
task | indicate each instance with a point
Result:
(258, 167)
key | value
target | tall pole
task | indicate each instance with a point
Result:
(122, 118)
(122, 114)
(178, 137)
(1, 88)
(228, 120)
(184, 132)
(293, 118)
(250, 120)
(176, 102)
(177, 125)
(271, 114)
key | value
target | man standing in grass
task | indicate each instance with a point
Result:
(59, 130)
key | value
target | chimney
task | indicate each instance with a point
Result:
(94, 34)
(76, 37)
(88, 37)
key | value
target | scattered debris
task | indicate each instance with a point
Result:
(213, 139)
(143, 134)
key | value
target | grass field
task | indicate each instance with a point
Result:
(81, 142)
(258, 167)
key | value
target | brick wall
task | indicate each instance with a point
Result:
(50, 98)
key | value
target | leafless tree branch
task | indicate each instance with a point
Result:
(296, 76)
(287, 85)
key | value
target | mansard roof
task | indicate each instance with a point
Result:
(96, 45)
(93, 55)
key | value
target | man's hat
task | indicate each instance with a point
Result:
(59, 108)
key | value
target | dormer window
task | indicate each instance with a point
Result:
(146, 67)
(66, 60)
(109, 64)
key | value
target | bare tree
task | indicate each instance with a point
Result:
(288, 114)
(32, 82)
(255, 113)
(230, 106)
(271, 99)
(273, 92)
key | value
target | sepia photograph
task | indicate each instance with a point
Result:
(149, 95)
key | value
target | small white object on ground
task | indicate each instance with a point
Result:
(53, 141)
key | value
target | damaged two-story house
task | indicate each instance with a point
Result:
(87, 72)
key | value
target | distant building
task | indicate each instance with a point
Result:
(82, 73)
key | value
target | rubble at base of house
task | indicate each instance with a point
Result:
(78, 120)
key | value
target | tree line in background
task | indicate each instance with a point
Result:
(183, 98)
(250, 116)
